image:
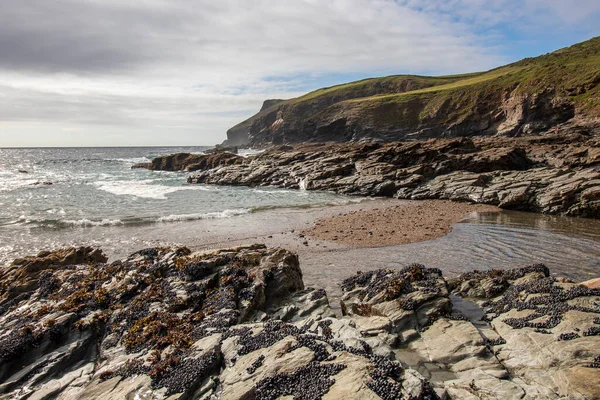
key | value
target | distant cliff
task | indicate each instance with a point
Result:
(526, 97)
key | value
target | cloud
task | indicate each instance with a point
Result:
(171, 68)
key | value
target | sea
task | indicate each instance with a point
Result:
(52, 197)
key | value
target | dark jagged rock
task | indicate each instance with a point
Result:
(222, 149)
(190, 162)
(555, 174)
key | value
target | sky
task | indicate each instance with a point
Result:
(181, 72)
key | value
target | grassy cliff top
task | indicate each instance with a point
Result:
(572, 73)
(565, 68)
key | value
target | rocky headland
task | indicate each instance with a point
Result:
(240, 324)
(524, 98)
(551, 173)
(525, 136)
(189, 162)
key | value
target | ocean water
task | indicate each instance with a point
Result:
(94, 189)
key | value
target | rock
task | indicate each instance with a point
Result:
(547, 328)
(553, 174)
(592, 283)
(142, 165)
(220, 149)
(190, 162)
(238, 323)
(411, 298)
(26, 273)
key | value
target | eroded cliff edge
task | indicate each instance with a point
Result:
(526, 97)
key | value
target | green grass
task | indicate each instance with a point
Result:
(572, 72)
(389, 81)
(478, 78)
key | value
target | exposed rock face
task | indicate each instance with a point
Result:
(332, 119)
(556, 174)
(190, 162)
(239, 324)
(523, 98)
(27, 273)
(546, 329)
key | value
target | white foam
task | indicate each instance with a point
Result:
(12, 182)
(88, 222)
(249, 152)
(144, 188)
(276, 191)
(134, 160)
(209, 215)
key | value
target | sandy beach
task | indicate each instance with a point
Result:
(394, 224)
(368, 223)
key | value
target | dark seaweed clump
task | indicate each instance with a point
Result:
(310, 382)
(18, 342)
(499, 278)
(495, 342)
(385, 376)
(568, 336)
(593, 331)
(188, 374)
(256, 364)
(549, 305)
(48, 283)
(318, 294)
(390, 389)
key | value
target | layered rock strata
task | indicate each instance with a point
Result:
(555, 174)
(190, 162)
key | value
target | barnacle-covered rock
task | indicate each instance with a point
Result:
(409, 299)
(547, 328)
(238, 323)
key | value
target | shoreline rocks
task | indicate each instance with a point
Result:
(190, 162)
(239, 323)
(553, 174)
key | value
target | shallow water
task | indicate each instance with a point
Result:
(570, 247)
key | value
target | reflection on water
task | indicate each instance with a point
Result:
(581, 227)
(570, 247)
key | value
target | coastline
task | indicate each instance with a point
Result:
(471, 237)
(300, 228)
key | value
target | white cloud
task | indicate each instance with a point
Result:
(162, 69)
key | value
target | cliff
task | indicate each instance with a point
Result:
(525, 97)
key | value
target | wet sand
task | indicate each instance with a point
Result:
(391, 225)
(362, 225)
(491, 238)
